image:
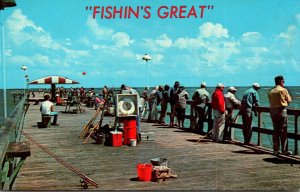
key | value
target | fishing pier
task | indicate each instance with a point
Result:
(203, 165)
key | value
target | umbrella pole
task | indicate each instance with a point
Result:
(53, 89)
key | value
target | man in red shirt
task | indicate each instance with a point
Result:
(218, 106)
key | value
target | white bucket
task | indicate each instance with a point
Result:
(132, 142)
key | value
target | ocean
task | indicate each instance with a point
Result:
(294, 92)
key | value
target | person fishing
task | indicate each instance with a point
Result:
(249, 101)
(231, 103)
(200, 98)
(218, 106)
(279, 99)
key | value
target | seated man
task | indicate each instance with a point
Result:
(47, 109)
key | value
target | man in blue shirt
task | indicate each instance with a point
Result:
(250, 100)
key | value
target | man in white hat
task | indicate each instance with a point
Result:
(200, 98)
(249, 101)
(231, 103)
(218, 106)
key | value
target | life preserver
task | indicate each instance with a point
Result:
(126, 106)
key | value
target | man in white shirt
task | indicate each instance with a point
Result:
(47, 109)
(230, 103)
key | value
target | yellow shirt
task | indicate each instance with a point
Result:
(279, 97)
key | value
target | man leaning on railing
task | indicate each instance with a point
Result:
(279, 99)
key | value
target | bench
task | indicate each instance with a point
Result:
(12, 167)
(46, 121)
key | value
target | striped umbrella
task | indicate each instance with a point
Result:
(53, 80)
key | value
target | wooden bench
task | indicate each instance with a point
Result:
(46, 121)
(11, 166)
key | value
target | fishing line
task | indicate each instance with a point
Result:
(57, 158)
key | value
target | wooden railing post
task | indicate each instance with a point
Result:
(192, 118)
(209, 118)
(259, 139)
(296, 132)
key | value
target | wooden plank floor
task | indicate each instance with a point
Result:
(203, 166)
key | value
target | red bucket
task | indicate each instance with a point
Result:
(144, 172)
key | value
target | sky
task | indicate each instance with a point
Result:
(235, 42)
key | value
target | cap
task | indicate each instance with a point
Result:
(256, 85)
(220, 85)
(203, 83)
(57, 95)
(232, 88)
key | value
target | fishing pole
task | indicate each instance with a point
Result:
(85, 179)
(201, 138)
(272, 145)
(267, 134)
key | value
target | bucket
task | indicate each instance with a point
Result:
(144, 172)
(129, 133)
(132, 142)
(159, 162)
(116, 138)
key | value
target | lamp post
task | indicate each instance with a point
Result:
(24, 68)
(146, 57)
(3, 4)
(27, 86)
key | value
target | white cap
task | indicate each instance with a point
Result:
(256, 85)
(203, 83)
(232, 88)
(57, 95)
(220, 85)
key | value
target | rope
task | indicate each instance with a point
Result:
(57, 158)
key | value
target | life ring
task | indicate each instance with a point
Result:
(126, 106)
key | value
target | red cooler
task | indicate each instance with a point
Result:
(116, 138)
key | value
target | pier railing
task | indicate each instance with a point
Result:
(259, 127)
(11, 156)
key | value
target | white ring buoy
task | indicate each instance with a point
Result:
(126, 106)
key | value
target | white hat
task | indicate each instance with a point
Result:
(57, 95)
(203, 83)
(232, 88)
(220, 85)
(256, 85)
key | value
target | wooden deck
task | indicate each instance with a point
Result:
(203, 166)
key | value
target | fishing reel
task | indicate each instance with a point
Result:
(83, 184)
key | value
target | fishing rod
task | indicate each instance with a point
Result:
(235, 119)
(99, 124)
(267, 134)
(85, 179)
(289, 160)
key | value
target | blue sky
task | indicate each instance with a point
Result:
(237, 43)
